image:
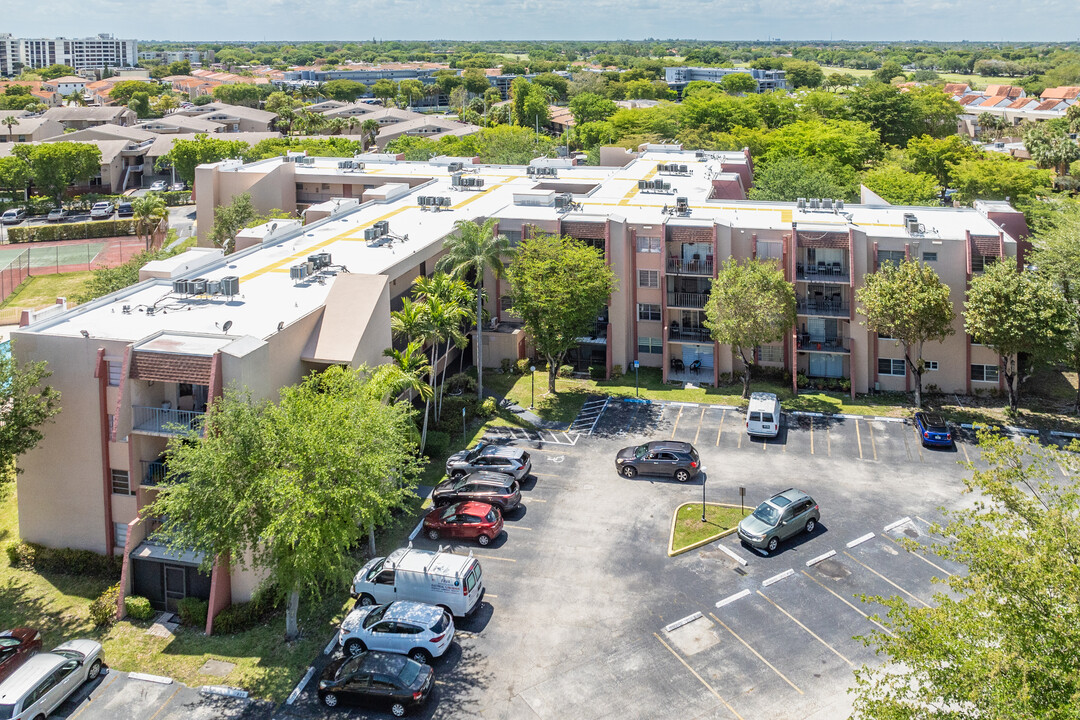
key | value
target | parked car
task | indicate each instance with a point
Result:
(933, 430)
(125, 209)
(14, 216)
(500, 458)
(45, 681)
(57, 215)
(661, 457)
(16, 647)
(418, 630)
(178, 187)
(466, 520)
(101, 211)
(159, 186)
(493, 488)
(778, 518)
(451, 581)
(378, 679)
(763, 415)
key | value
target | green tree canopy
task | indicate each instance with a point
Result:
(844, 142)
(28, 404)
(55, 70)
(110, 279)
(790, 178)
(341, 90)
(738, 83)
(475, 80)
(999, 641)
(589, 107)
(925, 154)
(122, 91)
(1022, 316)
(186, 155)
(384, 89)
(900, 187)
(892, 112)
(907, 302)
(289, 488)
(140, 104)
(231, 219)
(245, 94)
(997, 177)
(54, 166)
(1050, 146)
(803, 74)
(750, 304)
(558, 286)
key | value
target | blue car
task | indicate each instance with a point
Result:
(933, 430)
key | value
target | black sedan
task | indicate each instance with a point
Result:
(377, 679)
(933, 430)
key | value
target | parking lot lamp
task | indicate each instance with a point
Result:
(703, 479)
(532, 401)
(463, 438)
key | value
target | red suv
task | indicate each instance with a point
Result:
(473, 520)
(16, 647)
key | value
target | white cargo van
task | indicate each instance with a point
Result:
(763, 415)
(441, 578)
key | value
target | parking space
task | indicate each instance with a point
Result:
(134, 697)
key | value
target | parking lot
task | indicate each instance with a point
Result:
(586, 616)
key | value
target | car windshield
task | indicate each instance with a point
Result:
(767, 514)
(639, 451)
(7, 711)
(347, 668)
(409, 673)
(375, 615)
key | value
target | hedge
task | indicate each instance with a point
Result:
(192, 611)
(243, 616)
(31, 556)
(138, 608)
(103, 609)
(71, 231)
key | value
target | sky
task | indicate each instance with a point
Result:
(252, 20)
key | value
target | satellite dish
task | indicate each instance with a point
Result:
(281, 326)
(226, 326)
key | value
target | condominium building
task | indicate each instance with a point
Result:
(102, 51)
(679, 77)
(140, 365)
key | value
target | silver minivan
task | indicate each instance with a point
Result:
(763, 415)
(45, 681)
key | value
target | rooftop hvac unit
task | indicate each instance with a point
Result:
(530, 171)
(642, 184)
(346, 164)
(444, 202)
(826, 203)
(665, 186)
(682, 205)
(230, 285)
(213, 287)
(455, 166)
(455, 181)
(382, 226)
(180, 287)
(197, 286)
(839, 205)
(299, 272)
(683, 169)
(800, 203)
(815, 204)
(422, 201)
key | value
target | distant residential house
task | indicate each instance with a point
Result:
(234, 118)
(194, 86)
(348, 110)
(176, 123)
(30, 128)
(228, 78)
(66, 85)
(1052, 105)
(99, 92)
(1068, 93)
(957, 89)
(80, 118)
(424, 126)
(38, 89)
(122, 163)
(561, 118)
(993, 101)
(1009, 91)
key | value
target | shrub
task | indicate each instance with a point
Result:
(523, 366)
(801, 380)
(21, 555)
(192, 611)
(71, 231)
(461, 381)
(103, 608)
(173, 198)
(845, 385)
(506, 365)
(487, 408)
(63, 560)
(565, 371)
(138, 608)
(597, 372)
(616, 371)
(235, 618)
(438, 443)
(451, 412)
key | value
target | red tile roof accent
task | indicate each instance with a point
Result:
(168, 367)
(1048, 104)
(1065, 92)
(1021, 103)
(583, 230)
(969, 99)
(822, 240)
(1011, 91)
(986, 245)
(956, 88)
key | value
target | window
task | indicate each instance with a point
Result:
(930, 365)
(887, 366)
(115, 369)
(979, 262)
(648, 244)
(771, 353)
(648, 311)
(647, 345)
(648, 278)
(984, 373)
(929, 257)
(121, 483)
(505, 303)
(120, 534)
(514, 236)
(890, 256)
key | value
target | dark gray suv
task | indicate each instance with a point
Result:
(661, 457)
(778, 518)
(508, 460)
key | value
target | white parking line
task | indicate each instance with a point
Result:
(820, 558)
(777, 578)
(150, 678)
(860, 540)
(416, 530)
(331, 645)
(300, 686)
(732, 555)
(684, 621)
(732, 598)
(897, 524)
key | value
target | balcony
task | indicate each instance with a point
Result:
(825, 307)
(825, 344)
(165, 421)
(153, 472)
(691, 300)
(821, 272)
(676, 266)
(689, 334)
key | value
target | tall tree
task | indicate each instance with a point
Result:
(1000, 640)
(57, 165)
(997, 177)
(148, 212)
(286, 488)
(413, 324)
(907, 302)
(384, 89)
(231, 219)
(369, 132)
(739, 83)
(448, 316)
(558, 287)
(186, 155)
(750, 304)
(1022, 316)
(28, 404)
(900, 187)
(472, 251)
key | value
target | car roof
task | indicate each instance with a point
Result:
(421, 613)
(490, 477)
(762, 398)
(674, 445)
(31, 671)
(790, 495)
(384, 663)
(931, 419)
(502, 451)
(471, 507)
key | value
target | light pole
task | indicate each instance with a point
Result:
(463, 440)
(704, 477)
(532, 374)
(636, 393)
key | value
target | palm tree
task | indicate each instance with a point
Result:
(455, 297)
(411, 365)
(75, 98)
(335, 126)
(312, 122)
(369, 131)
(470, 252)
(11, 121)
(148, 212)
(351, 123)
(412, 323)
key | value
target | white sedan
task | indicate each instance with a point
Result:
(418, 630)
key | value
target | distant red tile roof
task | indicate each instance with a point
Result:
(1048, 104)
(171, 368)
(956, 88)
(1065, 92)
(1011, 91)
(970, 99)
(1021, 103)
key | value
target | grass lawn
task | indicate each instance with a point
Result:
(563, 406)
(43, 290)
(689, 528)
(975, 81)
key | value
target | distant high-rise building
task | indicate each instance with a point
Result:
(679, 77)
(102, 51)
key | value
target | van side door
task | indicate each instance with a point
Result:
(383, 587)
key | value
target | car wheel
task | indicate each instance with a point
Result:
(483, 540)
(773, 542)
(682, 475)
(95, 670)
(354, 647)
(629, 472)
(365, 600)
(330, 700)
(810, 525)
(398, 710)
(433, 534)
(457, 475)
(421, 656)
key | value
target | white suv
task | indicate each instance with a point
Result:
(418, 630)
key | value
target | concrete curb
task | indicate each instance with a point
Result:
(674, 518)
(224, 691)
(151, 678)
(300, 686)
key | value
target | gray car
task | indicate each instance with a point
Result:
(498, 458)
(669, 458)
(779, 518)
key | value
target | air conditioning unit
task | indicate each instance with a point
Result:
(455, 166)
(299, 272)
(800, 203)
(230, 285)
(180, 287)
(213, 287)
(815, 204)
(197, 286)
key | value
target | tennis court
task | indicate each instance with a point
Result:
(51, 257)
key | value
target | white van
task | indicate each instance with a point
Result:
(452, 581)
(763, 415)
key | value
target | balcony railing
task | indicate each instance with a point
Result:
(821, 272)
(828, 308)
(687, 300)
(165, 421)
(689, 334)
(690, 267)
(829, 344)
(153, 472)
